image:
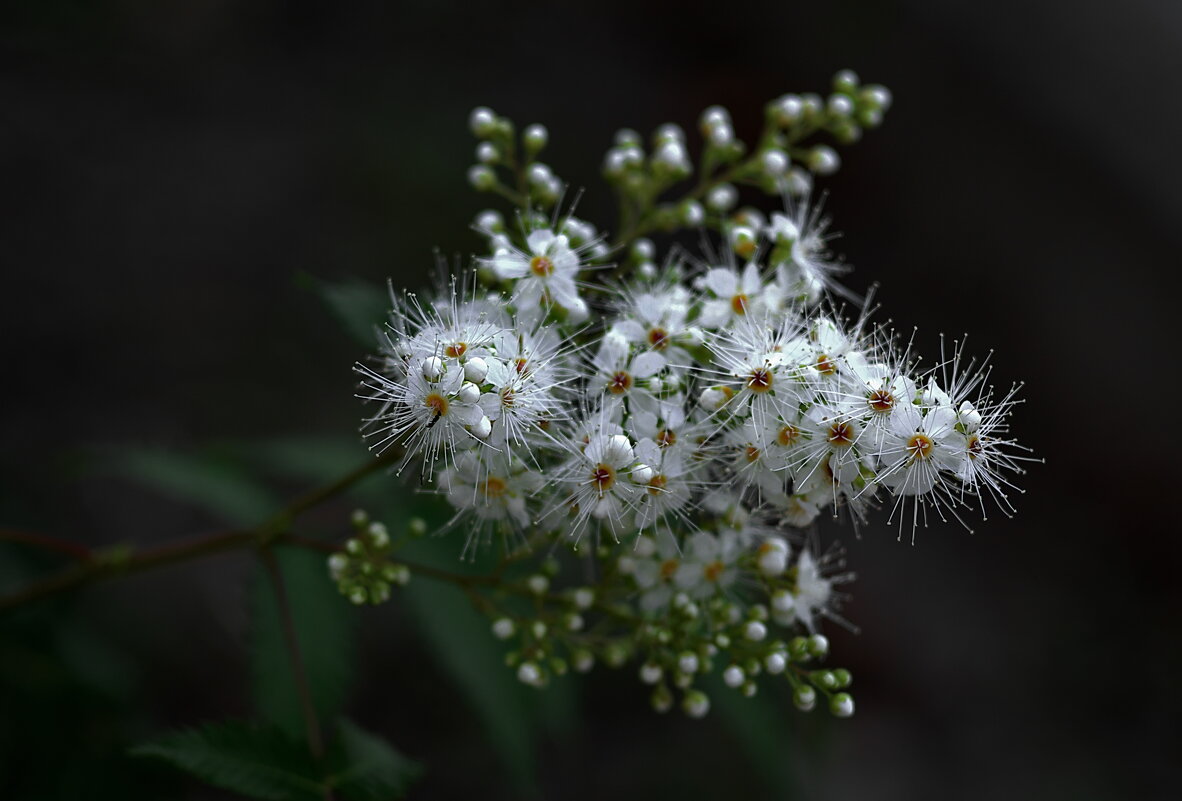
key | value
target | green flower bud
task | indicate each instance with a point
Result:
(535, 138)
(481, 178)
(842, 705)
(804, 698)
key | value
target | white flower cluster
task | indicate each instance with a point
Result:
(683, 421)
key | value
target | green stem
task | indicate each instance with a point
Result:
(122, 560)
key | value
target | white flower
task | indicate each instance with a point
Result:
(755, 458)
(543, 275)
(920, 455)
(709, 565)
(812, 594)
(800, 253)
(429, 418)
(735, 295)
(623, 375)
(497, 492)
(656, 562)
(669, 487)
(524, 390)
(657, 320)
(604, 478)
(759, 369)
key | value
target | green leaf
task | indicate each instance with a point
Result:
(373, 770)
(311, 459)
(361, 307)
(760, 725)
(255, 761)
(261, 762)
(326, 629)
(215, 485)
(460, 639)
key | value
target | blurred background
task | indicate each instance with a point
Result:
(177, 178)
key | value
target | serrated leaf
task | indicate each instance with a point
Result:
(359, 306)
(373, 770)
(326, 628)
(214, 485)
(255, 761)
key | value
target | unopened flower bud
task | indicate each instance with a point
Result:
(529, 673)
(482, 121)
(775, 161)
(744, 241)
(733, 676)
(503, 628)
(535, 137)
(431, 367)
(661, 699)
(722, 198)
(845, 81)
(584, 597)
(482, 428)
(755, 631)
(482, 178)
(487, 153)
(582, 660)
(490, 221)
(469, 393)
(804, 698)
(823, 160)
(696, 704)
(475, 370)
(842, 705)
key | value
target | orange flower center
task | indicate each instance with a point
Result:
(436, 403)
(760, 380)
(739, 303)
(976, 446)
(656, 484)
(880, 400)
(825, 365)
(666, 437)
(456, 349)
(494, 487)
(788, 435)
(920, 446)
(658, 338)
(668, 568)
(841, 434)
(603, 477)
(620, 383)
(713, 570)
(752, 453)
(541, 266)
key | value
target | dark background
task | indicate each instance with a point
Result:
(167, 169)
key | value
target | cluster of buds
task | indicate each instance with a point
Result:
(680, 426)
(363, 571)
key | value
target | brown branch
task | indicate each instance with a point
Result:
(122, 560)
(292, 643)
(46, 542)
